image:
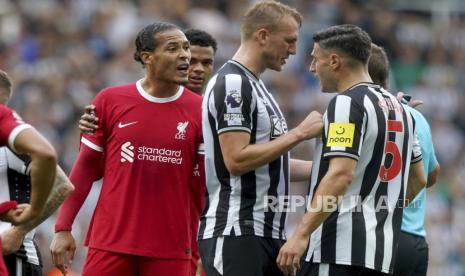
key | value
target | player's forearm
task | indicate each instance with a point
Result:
(253, 156)
(325, 201)
(87, 169)
(60, 190)
(43, 172)
(416, 181)
(300, 170)
(433, 177)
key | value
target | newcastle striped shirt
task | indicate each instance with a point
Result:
(368, 124)
(236, 100)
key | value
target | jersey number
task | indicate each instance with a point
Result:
(387, 174)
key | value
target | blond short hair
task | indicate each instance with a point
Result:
(266, 14)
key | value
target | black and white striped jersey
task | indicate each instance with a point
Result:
(236, 100)
(368, 124)
(15, 184)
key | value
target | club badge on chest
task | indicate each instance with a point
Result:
(182, 130)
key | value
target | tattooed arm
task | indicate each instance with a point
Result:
(13, 237)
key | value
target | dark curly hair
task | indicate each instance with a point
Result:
(145, 40)
(200, 38)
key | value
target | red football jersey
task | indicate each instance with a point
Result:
(150, 146)
(197, 203)
(10, 126)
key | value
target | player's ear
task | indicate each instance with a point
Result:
(262, 35)
(335, 61)
(146, 57)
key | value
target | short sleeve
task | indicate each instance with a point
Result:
(343, 128)
(96, 140)
(232, 100)
(433, 161)
(11, 125)
(416, 150)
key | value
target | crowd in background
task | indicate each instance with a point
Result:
(60, 53)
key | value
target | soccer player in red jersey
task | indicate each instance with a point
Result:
(145, 148)
(18, 245)
(21, 138)
(203, 48)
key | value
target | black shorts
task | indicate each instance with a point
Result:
(244, 256)
(19, 267)
(317, 269)
(412, 255)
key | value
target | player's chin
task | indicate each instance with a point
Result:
(181, 80)
(276, 67)
(326, 89)
(194, 86)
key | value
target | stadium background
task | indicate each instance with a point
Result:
(61, 52)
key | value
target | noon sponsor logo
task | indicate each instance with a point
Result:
(340, 135)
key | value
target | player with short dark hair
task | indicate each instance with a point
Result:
(412, 250)
(247, 147)
(203, 49)
(360, 168)
(145, 148)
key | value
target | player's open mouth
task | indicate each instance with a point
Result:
(196, 80)
(183, 68)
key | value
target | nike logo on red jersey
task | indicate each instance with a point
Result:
(120, 125)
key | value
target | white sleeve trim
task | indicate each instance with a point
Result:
(201, 149)
(91, 145)
(14, 134)
(237, 128)
(341, 154)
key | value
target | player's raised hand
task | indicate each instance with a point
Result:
(312, 126)
(290, 254)
(63, 247)
(89, 121)
(413, 103)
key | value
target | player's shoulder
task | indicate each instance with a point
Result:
(191, 95)
(358, 91)
(113, 91)
(419, 118)
(190, 98)
(233, 72)
(415, 113)
(5, 110)
(114, 94)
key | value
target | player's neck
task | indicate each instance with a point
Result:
(160, 89)
(249, 58)
(351, 78)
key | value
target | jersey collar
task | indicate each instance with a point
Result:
(151, 98)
